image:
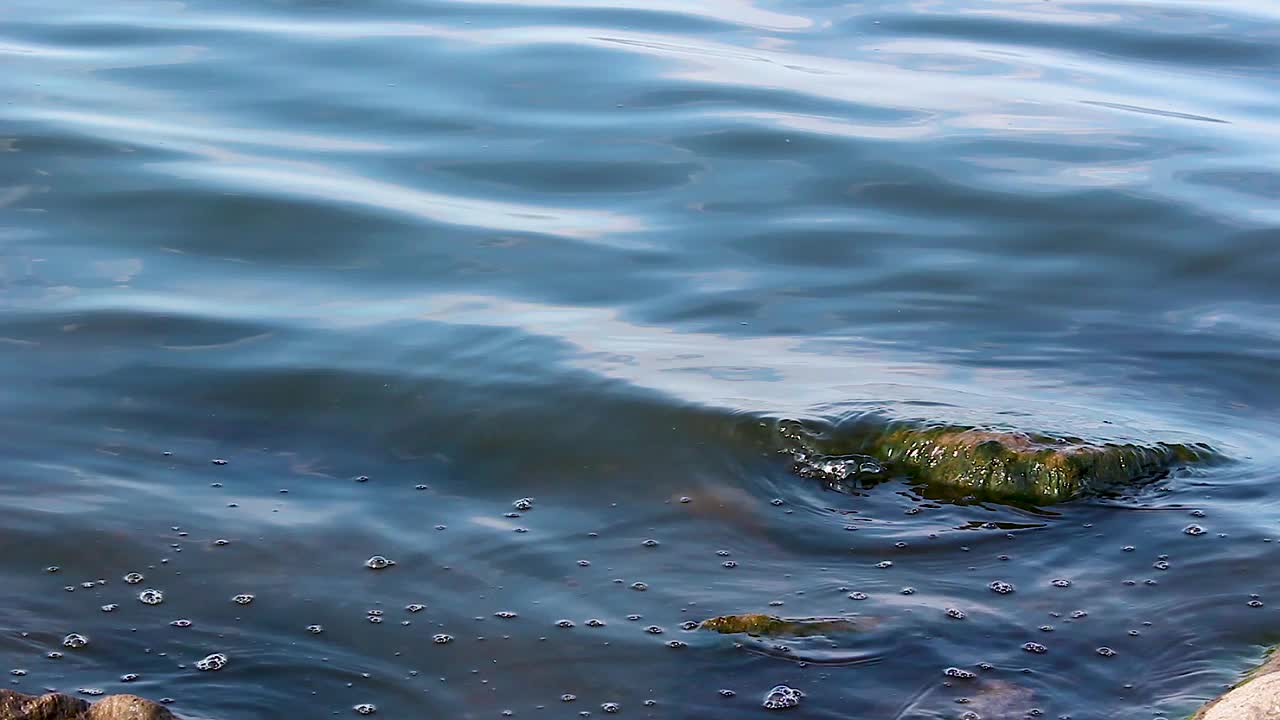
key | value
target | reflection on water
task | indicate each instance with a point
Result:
(405, 265)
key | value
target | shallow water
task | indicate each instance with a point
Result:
(592, 253)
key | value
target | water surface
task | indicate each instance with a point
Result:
(592, 252)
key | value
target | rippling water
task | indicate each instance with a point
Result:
(590, 252)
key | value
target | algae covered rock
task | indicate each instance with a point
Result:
(761, 625)
(57, 706)
(988, 464)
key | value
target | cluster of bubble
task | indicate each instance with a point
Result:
(782, 697)
(211, 662)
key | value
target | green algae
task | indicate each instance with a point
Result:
(1020, 466)
(1005, 466)
(762, 625)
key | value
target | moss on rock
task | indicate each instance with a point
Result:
(761, 625)
(988, 464)
(1021, 466)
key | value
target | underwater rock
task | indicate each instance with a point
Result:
(761, 625)
(1257, 697)
(994, 465)
(57, 706)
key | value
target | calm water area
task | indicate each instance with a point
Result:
(285, 285)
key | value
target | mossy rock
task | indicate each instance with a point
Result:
(761, 625)
(993, 465)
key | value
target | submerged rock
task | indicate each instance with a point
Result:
(1012, 466)
(57, 706)
(761, 625)
(1257, 697)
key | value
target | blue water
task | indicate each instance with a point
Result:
(590, 252)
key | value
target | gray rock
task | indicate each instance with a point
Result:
(1256, 698)
(57, 706)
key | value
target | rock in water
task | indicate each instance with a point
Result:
(761, 625)
(56, 706)
(1256, 698)
(993, 465)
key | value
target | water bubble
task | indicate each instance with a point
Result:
(593, 622)
(218, 461)
(1062, 583)
(1001, 587)
(69, 588)
(777, 502)
(128, 677)
(365, 709)
(419, 487)
(676, 644)
(956, 672)
(75, 641)
(1197, 513)
(362, 478)
(908, 591)
(955, 613)
(18, 672)
(884, 564)
(723, 553)
(1105, 651)
(731, 564)
(611, 707)
(375, 619)
(686, 500)
(650, 543)
(1193, 530)
(653, 630)
(505, 614)
(727, 693)
(242, 599)
(564, 624)
(92, 692)
(523, 504)
(1036, 648)
(374, 611)
(1255, 603)
(782, 697)
(211, 662)
(150, 597)
(639, 586)
(1046, 628)
(133, 578)
(221, 542)
(1077, 614)
(315, 629)
(441, 639)
(633, 617)
(181, 623)
(568, 697)
(53, 655)
(857, 596)
(1161, 565)
(378, 562)
(52, 569)
(1134, 633)
(109, 607)
(415, 607)
(584, 563)
(511, 515)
